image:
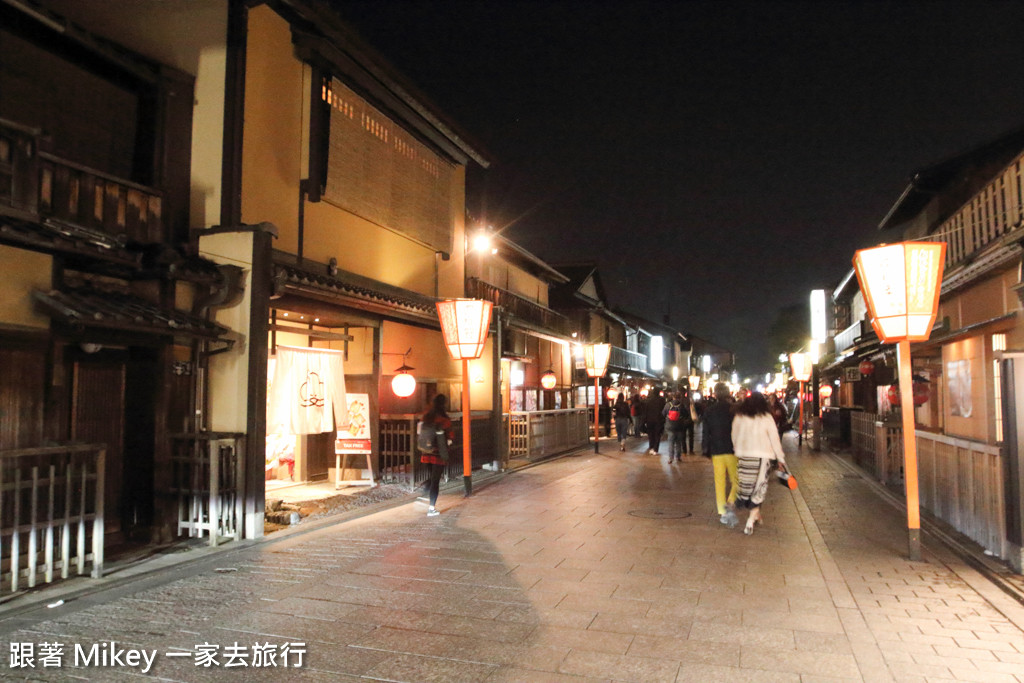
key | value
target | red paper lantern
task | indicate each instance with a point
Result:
(921, 393)
(866, 367)
(894, 394)
(548, 380)
(825, 391)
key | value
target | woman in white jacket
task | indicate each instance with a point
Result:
(755, 440)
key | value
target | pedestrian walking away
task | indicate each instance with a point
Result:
(688, 423)
(654, 420)
(434, 436)
(622, 420)
(636, 411)
(755, 439)
(677, 417)
(716, 439)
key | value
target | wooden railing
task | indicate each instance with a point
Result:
(878, 447)
(847, 338)
(627, 360)
(961, 482)
(206, 480)
(538, 434)
(400, 463)
(520, 307)
(994, 210)
(36, 185)
(51, 514)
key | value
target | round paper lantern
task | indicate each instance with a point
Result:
(825, 391)
(403, 385)
(612, 393)
(921, 393)
(866, 367)
(548, 380)
(893, 393)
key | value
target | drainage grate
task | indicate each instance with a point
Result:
(659, 513)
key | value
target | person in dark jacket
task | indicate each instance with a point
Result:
(622, 419)
(688, 423)
(654, 420)
(717, 440)
(677, 416)
(436, 459)
(636, 411)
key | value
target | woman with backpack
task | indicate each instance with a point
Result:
(433, 438)
(622, 419)
(677, 416)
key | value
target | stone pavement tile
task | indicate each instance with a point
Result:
(532, 614)
(689, 672)
(416, 669)
(467, 607)
(562, 586)
(749, 635)
(309, 608)
(291, 628)
(496, 630)
(793, 620)
(662, 595)
(824, 606)
(587, 603)
(620, 668)
(516, 675)
(582, 639)
(676, 627)
(813, 641)
(764, 601)
(808, 580)
(769, 658)
(1011, 668)
(351, 661)
(982, 676)
(972, 654)
(686, 651)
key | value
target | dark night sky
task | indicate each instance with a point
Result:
(717, 159)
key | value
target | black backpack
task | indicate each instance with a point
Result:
(430, 438)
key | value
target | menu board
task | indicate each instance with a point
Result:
(355, 436)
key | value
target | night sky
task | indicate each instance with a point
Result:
(718, 160)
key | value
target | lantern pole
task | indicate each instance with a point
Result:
(800, 434)
(909, 450)
(467, 441)
(597, 407)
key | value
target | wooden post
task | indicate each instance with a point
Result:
(909, 450)
(467, 450)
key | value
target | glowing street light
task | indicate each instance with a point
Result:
(464, 323)
(694, 381)
(900, 283)
(596, 357)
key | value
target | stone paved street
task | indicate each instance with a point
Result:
(609, 567)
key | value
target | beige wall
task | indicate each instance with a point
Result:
(272, 141)
(229, 371)
(23, 271)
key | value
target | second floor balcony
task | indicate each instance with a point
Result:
(71, 201)
(520, 307)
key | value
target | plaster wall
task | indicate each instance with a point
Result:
(22, 272)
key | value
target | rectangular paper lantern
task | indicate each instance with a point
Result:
(464, 323)
(900, 283)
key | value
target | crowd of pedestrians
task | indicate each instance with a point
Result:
(741, 436)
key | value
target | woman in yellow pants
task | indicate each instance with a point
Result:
(716, 439)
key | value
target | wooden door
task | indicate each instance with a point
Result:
(97, 416)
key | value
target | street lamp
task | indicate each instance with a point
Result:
(900, 283)
(800, 364)
(694, 382)
(596, 358)
(464, 323)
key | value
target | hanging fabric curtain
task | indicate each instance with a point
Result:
(308, 391)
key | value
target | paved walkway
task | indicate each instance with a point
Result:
(609, 567)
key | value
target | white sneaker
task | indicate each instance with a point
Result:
(433, 512)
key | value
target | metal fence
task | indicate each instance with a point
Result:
(206, 480)
(51, 514)
(540, 433)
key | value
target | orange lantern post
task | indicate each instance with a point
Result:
(596, 358)
(800, 364)
(900, 283)
(464, 323)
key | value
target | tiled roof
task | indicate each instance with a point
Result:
(92, 307)
(357, 289)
